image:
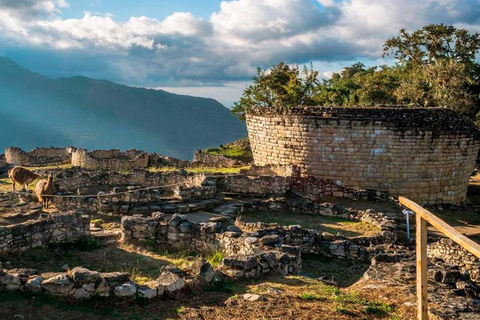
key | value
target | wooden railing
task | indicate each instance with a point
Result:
(423, 216)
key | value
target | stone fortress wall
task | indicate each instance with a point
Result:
(426, 155)
(113, 159)
(38, 156)
(110, 159)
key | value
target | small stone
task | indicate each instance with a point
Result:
(253, 297)
(115, 278)
(64, 268)
(58, 285)
(83, 275)
(251, 240)
(328, 236)
(10, 281)
(185, 227)
(35, 283)
(175, 221)
(81, 294)
(103, 289)
(148, 291)
(126, 290)
(203, 269)
(271, 240)
(171, 282)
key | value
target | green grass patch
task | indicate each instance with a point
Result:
(232, 170)
(61, 166)
(321, 223)
(344, 272)
(215, 258)
(310, 296)
(233, 152)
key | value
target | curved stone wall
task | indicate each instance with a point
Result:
(426, 155)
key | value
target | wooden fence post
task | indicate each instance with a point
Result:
(421, 253)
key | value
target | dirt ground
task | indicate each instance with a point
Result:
(293, 297)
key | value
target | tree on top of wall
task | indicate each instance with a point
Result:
(282, 85)
(439, 67)
(435, 67)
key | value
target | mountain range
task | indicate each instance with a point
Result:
(36, 110)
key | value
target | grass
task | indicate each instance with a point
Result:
(232, 170)
(215, 258)
(142, 266)
(310, 296)
(299, 298)
(6, 183)
(321, 223)
(53, 166)
(343, 272)
(234, 152)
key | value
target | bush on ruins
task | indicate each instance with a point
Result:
(435, 67)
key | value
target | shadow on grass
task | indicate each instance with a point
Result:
(343, 272)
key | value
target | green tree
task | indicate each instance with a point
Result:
(282, 85)
(358, 85)
(439, 67)
(435, 66)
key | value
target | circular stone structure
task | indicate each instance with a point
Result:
(426, 155)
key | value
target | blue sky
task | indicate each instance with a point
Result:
(124, 9)
(209, 48)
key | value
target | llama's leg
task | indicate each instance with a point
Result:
(25, 187)
(13, 185)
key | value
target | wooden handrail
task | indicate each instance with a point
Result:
(422, 217)
(442, 226)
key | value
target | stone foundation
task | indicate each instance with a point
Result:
(48, 229)
(110, 159)
(244, 258)
(81, 284)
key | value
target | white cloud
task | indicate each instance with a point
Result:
(228, 46)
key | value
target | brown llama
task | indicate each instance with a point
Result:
(44, 190)
(22, 176)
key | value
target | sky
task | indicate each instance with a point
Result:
(209, 48)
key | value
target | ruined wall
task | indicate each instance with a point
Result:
(38, 156)
(245, 258)
(72, 179)
(426, 155)
(216, 160)
(261, 185)
(455, 255)
(3, 162)
(56, 228)
(110, 159)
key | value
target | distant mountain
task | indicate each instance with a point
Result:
(36, 110)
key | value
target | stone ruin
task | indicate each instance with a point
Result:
(38, 156)
(113, 160)
(154, 216)
(426, 155)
